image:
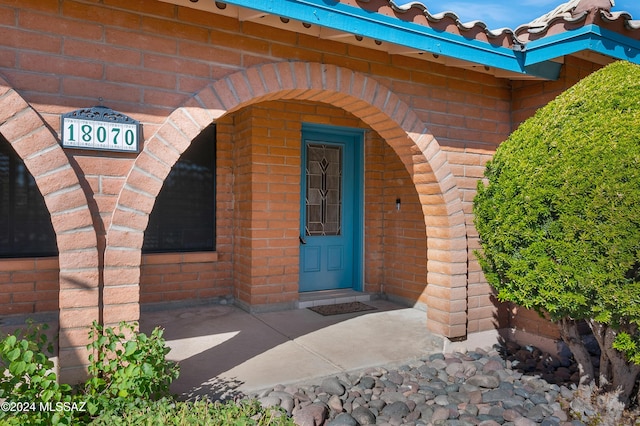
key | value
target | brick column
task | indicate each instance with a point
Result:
(72, 223)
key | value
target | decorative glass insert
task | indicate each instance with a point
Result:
(324, 190)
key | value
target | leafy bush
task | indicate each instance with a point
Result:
(559, 221)
(128, 385)
(27, 379)
(203, 413)
(126, 366)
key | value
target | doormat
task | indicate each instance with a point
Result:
(342, 308)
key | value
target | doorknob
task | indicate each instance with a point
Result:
(302, 241)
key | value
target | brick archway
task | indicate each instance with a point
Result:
(362, 96)
(38, 147)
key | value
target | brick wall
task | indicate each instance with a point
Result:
(267, 192)
(148, 58)
(374, 168)
(529, 96)
(29, 286)
(404, 244)
(242, 187)
(469, 113)
(180, 276)
(529, 321)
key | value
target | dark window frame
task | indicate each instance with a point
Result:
(25, 222)
(167, 232)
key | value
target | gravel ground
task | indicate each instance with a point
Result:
(510, 385)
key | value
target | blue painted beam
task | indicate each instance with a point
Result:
(357, 21)
(535, 60)
(590, 37)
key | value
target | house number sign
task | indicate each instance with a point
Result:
(100, 128)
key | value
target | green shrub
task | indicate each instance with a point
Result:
(126, 366)
(559, 221)
(202, 413)
(128, 385)
(27, 381)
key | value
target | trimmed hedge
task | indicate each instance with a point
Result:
(559, 220)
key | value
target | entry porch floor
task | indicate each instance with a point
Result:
(224, 351)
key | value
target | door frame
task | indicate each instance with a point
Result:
(356, 135)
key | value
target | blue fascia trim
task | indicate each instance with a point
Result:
(357, 21)
(590, 37)
(536, 60)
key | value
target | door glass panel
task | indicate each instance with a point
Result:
(324, 190)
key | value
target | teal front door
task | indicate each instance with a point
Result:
(330, 220)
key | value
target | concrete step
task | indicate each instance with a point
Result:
(331, 297)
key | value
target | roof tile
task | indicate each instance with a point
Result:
(567, 16)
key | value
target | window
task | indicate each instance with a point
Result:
(324, 189)
(25, 222)
(183, 218)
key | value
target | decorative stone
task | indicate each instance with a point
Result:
(367, 382)
(523, 421)
(269, 401)
(440, 414)
(364, 416)
(332, 386)
(511, 415)
(395, 377)
(343, 419)
(311, 415)
(495, 395)
(484, 381)
(396, 409)
(476, 388)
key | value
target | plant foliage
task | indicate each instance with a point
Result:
(126, 366)
(559, 220)
(27, 379)
(129, 379)
(202, 413)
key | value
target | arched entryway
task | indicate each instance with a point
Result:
(365, 98)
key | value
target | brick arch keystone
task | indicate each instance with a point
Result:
(357, 93)
(58, 183)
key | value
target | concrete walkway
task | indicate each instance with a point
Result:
(224, 351)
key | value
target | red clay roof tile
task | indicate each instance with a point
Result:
(567, 16)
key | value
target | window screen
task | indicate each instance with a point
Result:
(25, 222)
(183, 218)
